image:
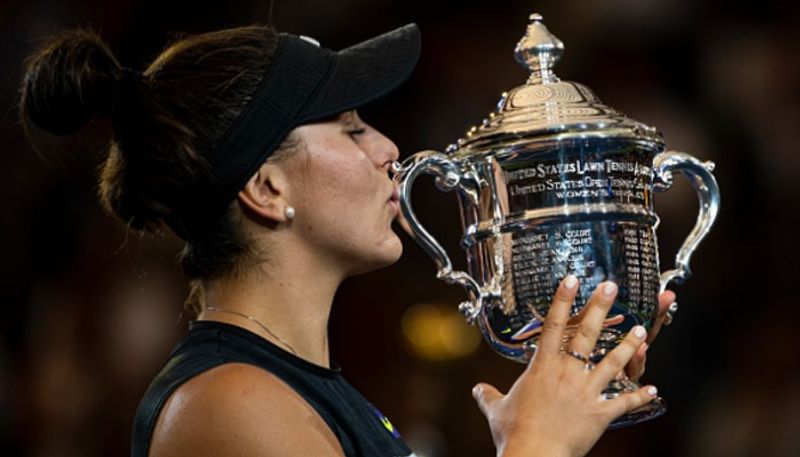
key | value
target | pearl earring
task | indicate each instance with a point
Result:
(289, 212)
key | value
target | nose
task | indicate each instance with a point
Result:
(386, 150)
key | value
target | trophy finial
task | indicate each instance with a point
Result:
(539, 51)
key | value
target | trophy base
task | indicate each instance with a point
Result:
(654, 409)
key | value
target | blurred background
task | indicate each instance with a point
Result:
(89, 312)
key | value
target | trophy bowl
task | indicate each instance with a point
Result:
(553, 183)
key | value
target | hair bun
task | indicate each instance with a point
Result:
(68, 81)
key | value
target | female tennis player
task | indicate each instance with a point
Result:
(248, 144)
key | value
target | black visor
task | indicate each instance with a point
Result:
(304, 83)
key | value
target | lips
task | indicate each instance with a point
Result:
(394, 200)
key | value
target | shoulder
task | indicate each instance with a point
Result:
(239, 409)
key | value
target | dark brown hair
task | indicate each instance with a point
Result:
(165, 122)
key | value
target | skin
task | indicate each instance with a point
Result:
(555, 408)
(339, 185)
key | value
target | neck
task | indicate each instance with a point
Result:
(292, 299)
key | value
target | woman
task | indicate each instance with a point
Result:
(248, 144)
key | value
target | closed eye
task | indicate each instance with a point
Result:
(356, 132)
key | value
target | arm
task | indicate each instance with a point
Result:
(554, 408)
(240, 410)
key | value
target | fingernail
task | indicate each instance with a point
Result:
(652, 391)
(609, 288)
(639, 331)
(476, 391)
(570, 282)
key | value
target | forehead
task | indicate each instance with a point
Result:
(348, 116)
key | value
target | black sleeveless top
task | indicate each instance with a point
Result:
(361, 429)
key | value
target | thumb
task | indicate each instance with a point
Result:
(486, 395)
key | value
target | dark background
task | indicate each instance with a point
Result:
(89, 312)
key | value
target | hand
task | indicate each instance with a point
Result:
(635, 368)
(555, 407)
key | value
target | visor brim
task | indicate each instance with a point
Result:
(366, 72)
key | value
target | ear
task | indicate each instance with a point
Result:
(264, 195)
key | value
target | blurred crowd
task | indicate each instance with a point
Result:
(90, 310)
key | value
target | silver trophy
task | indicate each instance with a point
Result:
(554, 182)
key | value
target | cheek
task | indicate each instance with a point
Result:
(339, 188)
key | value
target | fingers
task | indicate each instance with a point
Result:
(635, 368)
(596, 310)
(486, 395)
(665, 299)
(557, 316)
(630, 401)
(615, 361)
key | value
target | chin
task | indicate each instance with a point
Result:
(390, 252)
(397, 251)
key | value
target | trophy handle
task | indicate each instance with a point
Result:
(699, 175)
(450, 175)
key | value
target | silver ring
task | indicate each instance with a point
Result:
(587, 364)
(578, 355)
(673, 308)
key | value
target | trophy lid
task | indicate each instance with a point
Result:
(545, 106)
